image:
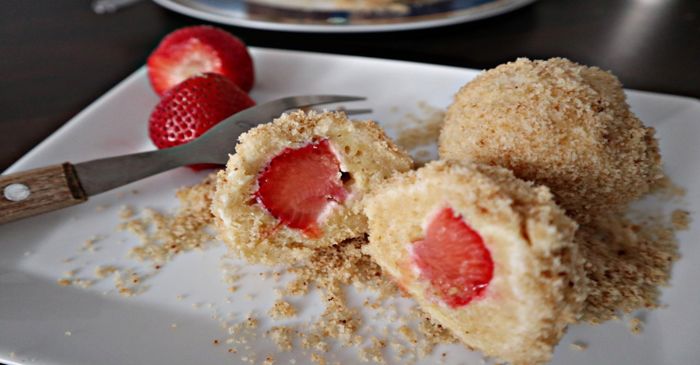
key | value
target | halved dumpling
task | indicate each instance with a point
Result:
(298, 183)
(487, 255)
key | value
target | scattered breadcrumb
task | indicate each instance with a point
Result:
(318, 359)
(64, 282)
(282, 337)
(635, 325)
(627, 263)
(105, 271)
(68, 333)
(269, 360)
(89, 244)
(408, 334)
(578, 346)
(417, 132)
(126, 212)
(680, 219)
(282, 309)
(163, 236)
(251, 322)
(374, 351)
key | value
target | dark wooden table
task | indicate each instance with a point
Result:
(58, 56)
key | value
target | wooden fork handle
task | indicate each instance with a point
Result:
(37, 191)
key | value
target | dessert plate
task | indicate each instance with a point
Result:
(263, 14)
(44, 323)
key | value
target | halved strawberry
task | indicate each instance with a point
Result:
(193, 50)
(299, 184)
(194, 106)
(453, 257)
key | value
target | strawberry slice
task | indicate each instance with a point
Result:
(193, 50)
(298, 185)
(453, 258)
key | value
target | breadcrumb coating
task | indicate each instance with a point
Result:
(560, 124)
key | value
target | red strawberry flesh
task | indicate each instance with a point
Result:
(193, 50)
(298, 185)
(453, 258)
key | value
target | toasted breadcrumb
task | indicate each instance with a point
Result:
(282, 337)
(281, 310)
(680, 219)
(318, 359)
(374, 352)
(635, 326)
(186, 230)
(408, 334)
(415, 132)
(251, 322)
(627, 263)
(105, 271)
(578, 346)
(126, 212)
(89, 244)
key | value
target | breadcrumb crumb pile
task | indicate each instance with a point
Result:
(163, 236)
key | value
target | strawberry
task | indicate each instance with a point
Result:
(192, 107)
(193, 50)
(453, 258)
(298, 184)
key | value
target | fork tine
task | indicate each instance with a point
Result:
(349, 111)
(214, 145)
(274, 108)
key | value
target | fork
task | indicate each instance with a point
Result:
(54, 187)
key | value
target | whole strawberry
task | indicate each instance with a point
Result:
(192, 107)
(193, 50)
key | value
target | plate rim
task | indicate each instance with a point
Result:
(178, 7)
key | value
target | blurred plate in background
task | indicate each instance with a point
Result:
(319, 16)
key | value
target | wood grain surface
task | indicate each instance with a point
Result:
(49, 188)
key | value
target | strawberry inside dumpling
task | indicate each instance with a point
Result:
(486, 255)
(453, 257)
(299, 184)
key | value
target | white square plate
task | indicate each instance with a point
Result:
(35, 312)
